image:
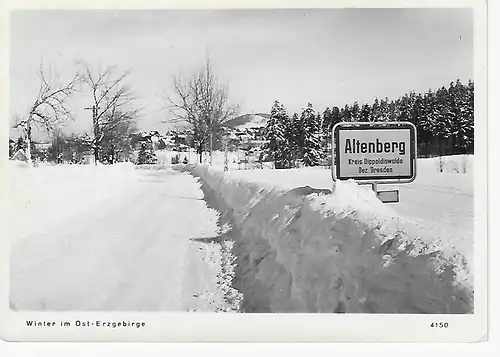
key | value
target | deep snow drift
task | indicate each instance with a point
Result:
(440, 201)
(341, 252)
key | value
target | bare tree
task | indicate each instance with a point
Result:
(112, 102)
(116, 141)
(202, 102)
(50, 107)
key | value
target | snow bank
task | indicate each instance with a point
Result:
(441, 203)
(43, 196)
(165, 156)
(307, 250)
(458, 164)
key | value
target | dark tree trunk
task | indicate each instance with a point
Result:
(96, 134)
(200, 152)
(96, 154)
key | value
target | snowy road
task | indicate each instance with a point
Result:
(443, 206)
(132, 252)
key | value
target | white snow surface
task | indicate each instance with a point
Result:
(441, 204)
(321, 241)
(110, 238)
(41, 197)
(255, 121)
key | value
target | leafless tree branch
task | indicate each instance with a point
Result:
(112, 101)
(200, 101)
(51, 107)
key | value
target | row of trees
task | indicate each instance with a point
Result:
(113, 111)
(293, 141)
(199, 101)
(444, 119)
(76, 148)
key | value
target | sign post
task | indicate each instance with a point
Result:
(375, 153)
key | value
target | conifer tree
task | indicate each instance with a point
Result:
(384, 110)
(327, 120)
(375, 110)
(336, 117)
(275, 133)
(469, 114)
(444, 118)
(440, 117)
(324, 137)
(346, 114)
(146, 156)
(364, 114)
(462, 119)
(403, 110)
(355, 111)
(295, 140)
(311, 148)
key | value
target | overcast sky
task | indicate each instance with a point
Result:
(323, 56)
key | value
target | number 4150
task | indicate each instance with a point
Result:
(439, 324)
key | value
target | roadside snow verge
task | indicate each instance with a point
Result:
(307, 250)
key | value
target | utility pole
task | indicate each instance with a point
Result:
(211, 146)
(95, 128)
(226, 166)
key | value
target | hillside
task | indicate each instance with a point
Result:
(245, 121)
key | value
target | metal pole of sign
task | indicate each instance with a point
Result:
(374, 187)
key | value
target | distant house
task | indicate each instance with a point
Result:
(42, 145)
(19, 156)
(12, 145)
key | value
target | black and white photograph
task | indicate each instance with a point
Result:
(226, 162)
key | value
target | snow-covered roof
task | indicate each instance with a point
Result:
(19, 156)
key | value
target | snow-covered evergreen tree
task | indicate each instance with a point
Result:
(441, 114)
(365, 113)
(444, 117)
(375, 111)
(277, 146)
(403, 110)
(462, 119)
(324, 137)
(346, 114)
(146, 156)
(468, 134)
(294, 136)
(355, 111)
(311, 141)
(327, 120)
(384, 110)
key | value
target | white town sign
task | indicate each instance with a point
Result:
(378, 152)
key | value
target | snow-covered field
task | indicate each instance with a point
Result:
(437, 208)
(41, 197)
(441, 203)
